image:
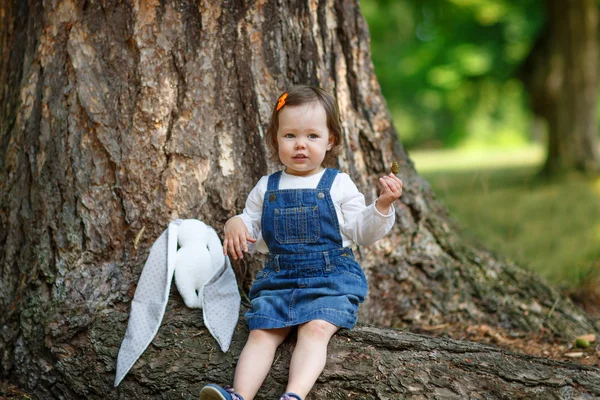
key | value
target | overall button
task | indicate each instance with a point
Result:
(321, 195)
(272, 197)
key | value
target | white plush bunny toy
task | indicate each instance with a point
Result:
(199, 256)
(204, 278)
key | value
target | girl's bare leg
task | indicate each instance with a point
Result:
(310, 354)
(256, 360)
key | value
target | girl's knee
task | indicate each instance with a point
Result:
(317, 329)
(272, 336)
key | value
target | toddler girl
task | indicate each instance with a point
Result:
(304, 218)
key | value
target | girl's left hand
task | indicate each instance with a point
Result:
(391, 191)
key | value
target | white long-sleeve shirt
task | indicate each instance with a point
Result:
(359, 223)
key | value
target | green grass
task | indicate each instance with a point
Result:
(551, 228)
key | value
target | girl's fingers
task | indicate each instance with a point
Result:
(232, 251)
(238, 247)
(394, 182)
(250, 238)
(225, 247)
(241, 245)
(392, 186)
(233, 248)
(395, 179)
(235, 245)
(384, 182)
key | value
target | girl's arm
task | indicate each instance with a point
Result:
(361, 223)
(245, 227)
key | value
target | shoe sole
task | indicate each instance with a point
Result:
(210, 393)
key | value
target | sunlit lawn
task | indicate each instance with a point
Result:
(553, 229)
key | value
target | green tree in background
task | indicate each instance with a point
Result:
(448, 68)
(561, 75)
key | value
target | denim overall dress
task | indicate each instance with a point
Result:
(308, 274)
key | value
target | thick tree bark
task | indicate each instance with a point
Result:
(561, 75)
(121, 116)
(365, 363)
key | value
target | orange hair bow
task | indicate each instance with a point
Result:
(281, 101)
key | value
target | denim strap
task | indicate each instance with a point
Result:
(274, 181)
(327, 178)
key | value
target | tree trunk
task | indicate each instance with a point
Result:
(561, 75)
(364, 363)
(118, 117)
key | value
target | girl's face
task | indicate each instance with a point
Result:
(303, 138)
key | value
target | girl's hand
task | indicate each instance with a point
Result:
(391, 191)
(236, 238)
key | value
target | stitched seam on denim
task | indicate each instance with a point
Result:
(331, 310)
(337, 269)
(265, 317)
(317, 313)
(352, 320)
(317, 225)
(291, 308)
(351, 275)
(303, 231)
(317, 254)
(279, 191)
(338, 234)
(262, 217)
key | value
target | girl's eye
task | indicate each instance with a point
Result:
(313, 136)
(289, 136)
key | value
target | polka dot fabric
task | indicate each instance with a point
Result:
(220, 307)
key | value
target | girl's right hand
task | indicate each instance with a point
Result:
(236, 238)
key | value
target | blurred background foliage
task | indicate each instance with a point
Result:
(447, 69)
(449, 72)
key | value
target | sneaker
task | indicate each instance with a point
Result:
(216, 392)
(290, 396)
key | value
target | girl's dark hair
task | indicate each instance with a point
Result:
(303, 94)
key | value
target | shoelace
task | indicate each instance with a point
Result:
(234, 395)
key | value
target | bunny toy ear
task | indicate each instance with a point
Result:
(149, 301)
(221, 308)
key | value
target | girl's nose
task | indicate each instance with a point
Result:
(300, 144)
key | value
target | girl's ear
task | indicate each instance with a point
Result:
(331, 142)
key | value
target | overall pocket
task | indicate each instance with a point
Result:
(352, 270)
(297, 225)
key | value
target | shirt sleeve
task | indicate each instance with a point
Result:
(363, 224)
(252, 213)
